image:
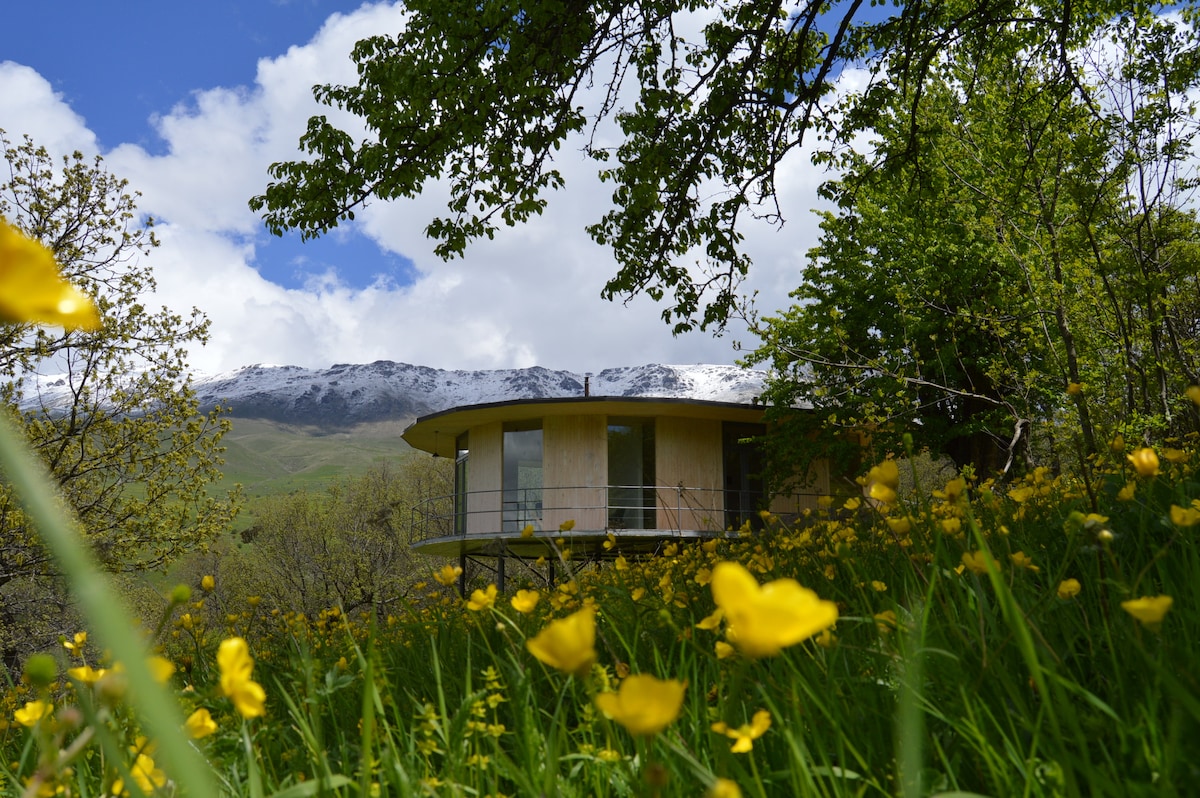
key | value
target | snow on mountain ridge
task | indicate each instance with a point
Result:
(348, 393)
(387, 389)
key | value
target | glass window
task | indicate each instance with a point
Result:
(522, 476)
(461, 452)
(631, 473)
(744, 492)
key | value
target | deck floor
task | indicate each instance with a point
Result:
(584, 543)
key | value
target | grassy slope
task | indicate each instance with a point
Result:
(268, 458)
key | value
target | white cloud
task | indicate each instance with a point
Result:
(30, 106)
(529, 297)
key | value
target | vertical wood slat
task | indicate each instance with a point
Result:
(575, 471)
(485, 472)
(688, 454)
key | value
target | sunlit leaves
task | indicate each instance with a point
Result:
(129, 448)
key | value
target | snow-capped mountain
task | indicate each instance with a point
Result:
(347, 394)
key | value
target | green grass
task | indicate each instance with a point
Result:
(266, 457)
(956, 667)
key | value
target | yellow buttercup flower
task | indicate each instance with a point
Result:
(567, 526)
(32, 712)
(977, 561)
(207, 583)
(31, 289)
(643, 704)
(1144, 461)
(161, 668)
(482, 599)
(762, 621)
(527, 531)
(886, 621)
(86, 674)
(883, 481)
(1175, 455)
(1185, 516)
(525, 600)
(882, 493)
(236, 666)
(447, 575)
(953, 491)
(1149, 610)
(724, 788)
(1022, 494)
(1023, 560)
(147, 775)
(744, 736)
(199, 724)
(1069, 589)
(568, 644)
(75, 644)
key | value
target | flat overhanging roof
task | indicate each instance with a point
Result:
(436, 432)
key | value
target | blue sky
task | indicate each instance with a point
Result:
(192, 101)
(121, 70)
(120, 63)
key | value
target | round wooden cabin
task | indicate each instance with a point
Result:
(605, 475)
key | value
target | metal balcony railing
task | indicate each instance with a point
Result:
(598, 509)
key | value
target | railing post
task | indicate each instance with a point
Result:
(679, 508)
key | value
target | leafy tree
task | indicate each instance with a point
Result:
(710, 99)
(1032, 266)
(347, 546)
(110, 412)
(1079, 126)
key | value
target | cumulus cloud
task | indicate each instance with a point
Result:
(30, 106)
(529, 297)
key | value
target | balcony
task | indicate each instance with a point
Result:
(639, 517)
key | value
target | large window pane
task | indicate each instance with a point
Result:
(744, 494)
(522, 477)
(631, 473)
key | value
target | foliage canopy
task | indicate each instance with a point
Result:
(1024, 288)
(1001, 163)
(120, 428)
(710, 98)
(346, 546)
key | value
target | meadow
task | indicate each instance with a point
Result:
(954, 639)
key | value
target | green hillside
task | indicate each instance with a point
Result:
(268, 458)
